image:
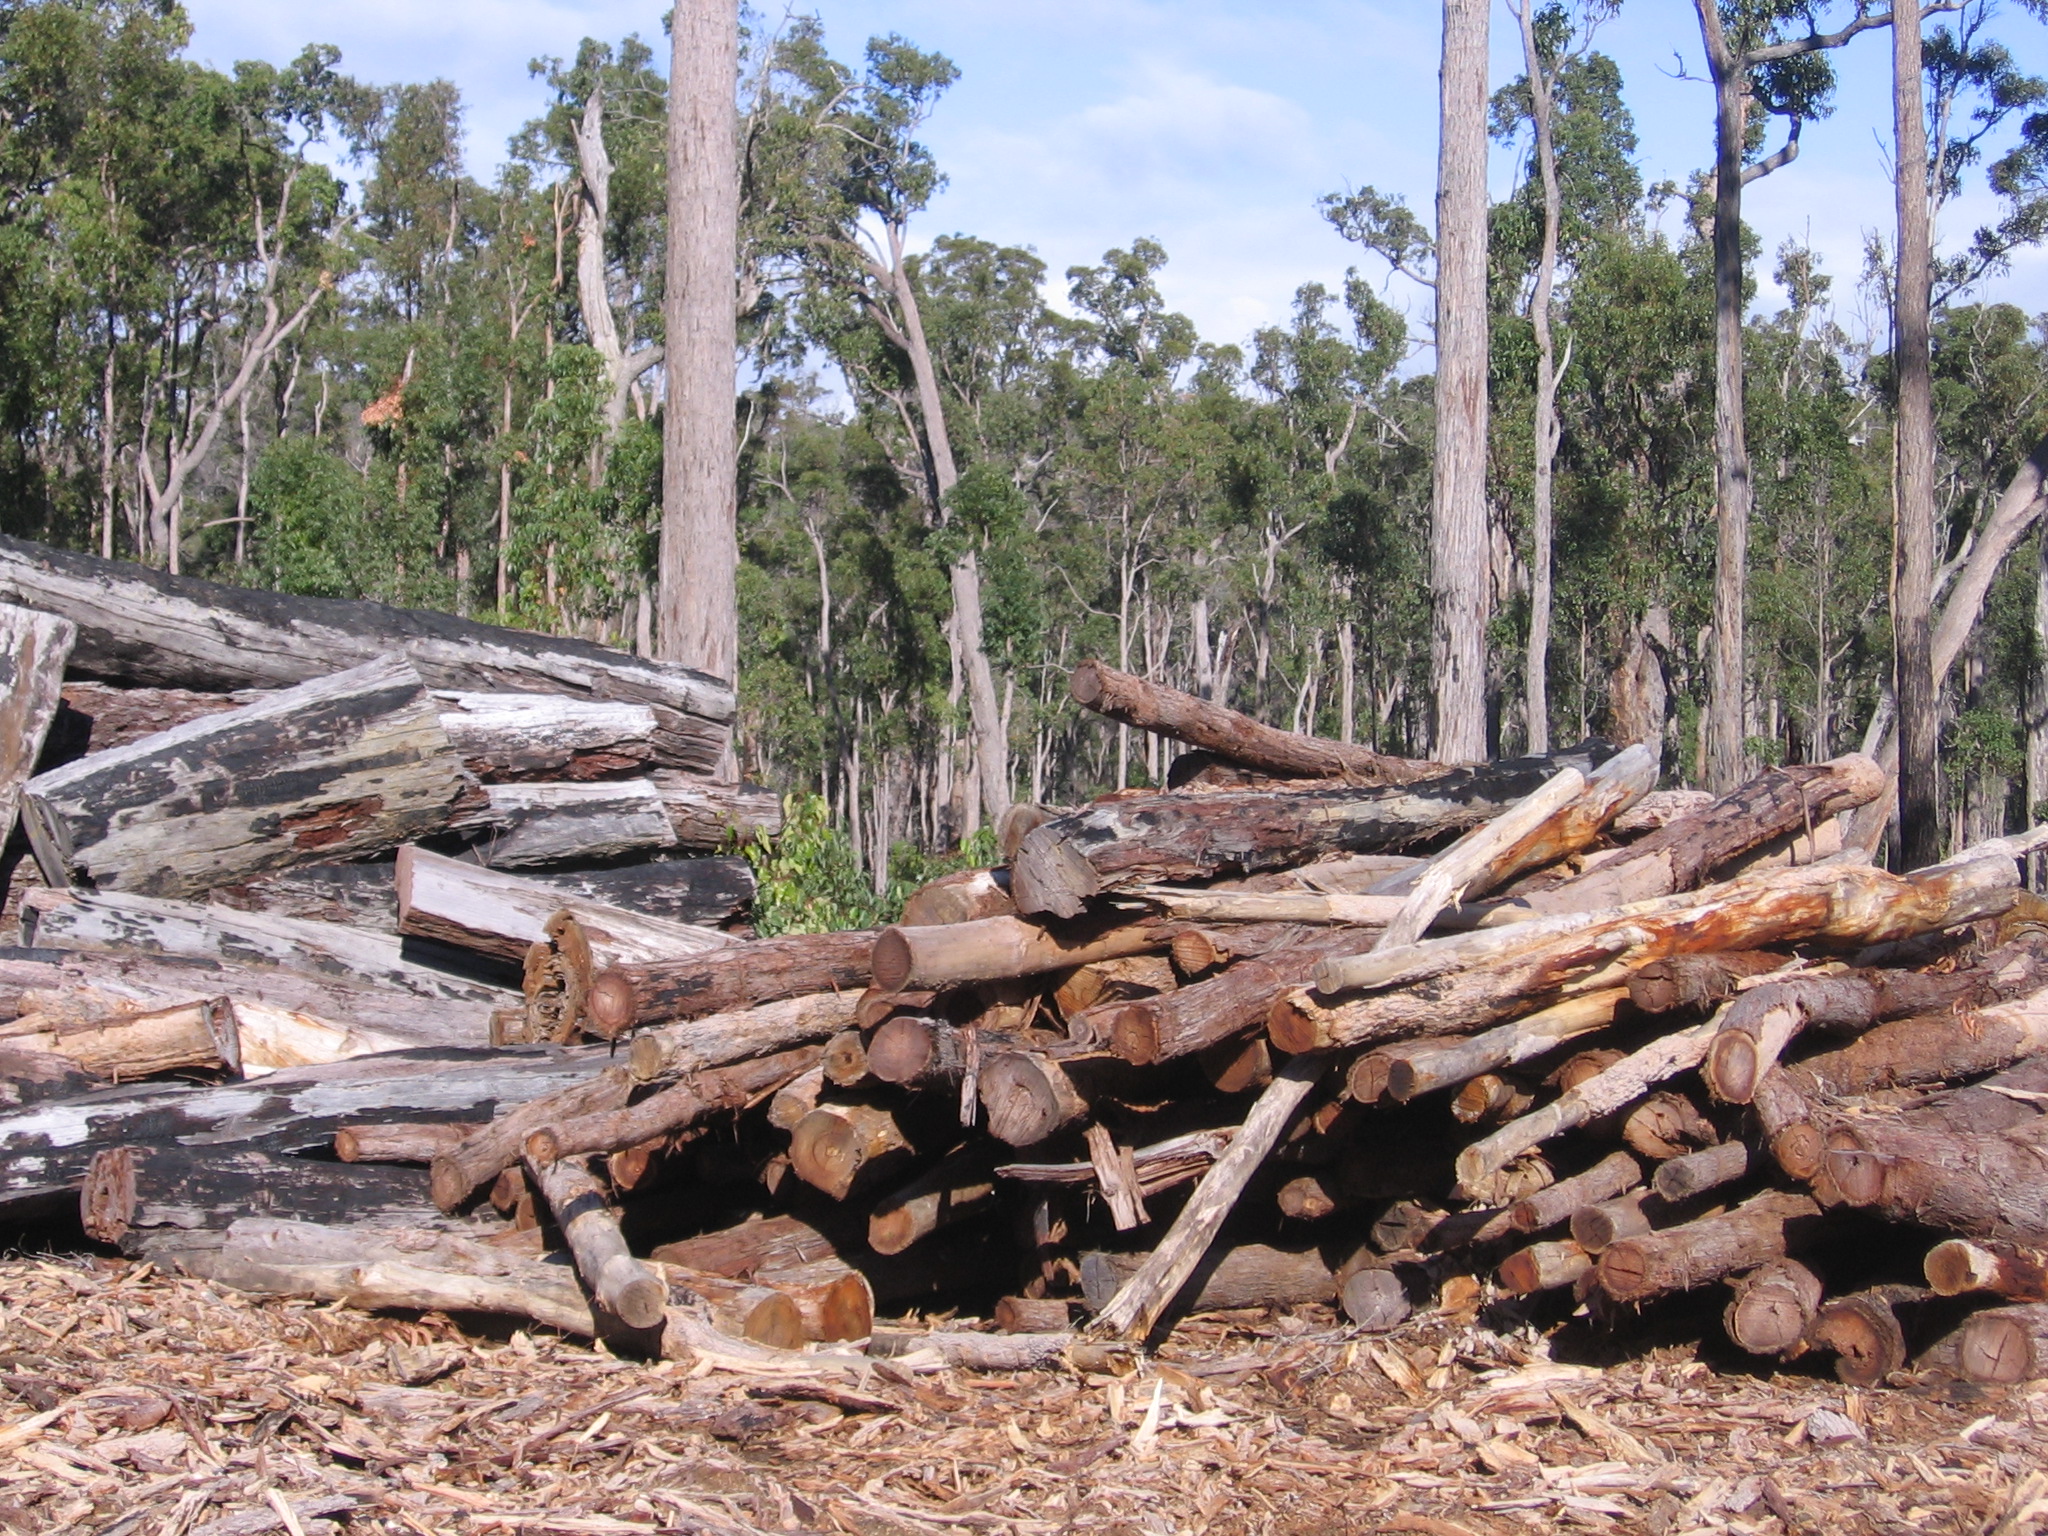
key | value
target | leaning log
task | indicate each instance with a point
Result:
(1154, 839)
(335, 768)
(1149, 706)
(33, 650)
(140, 626)
(490, 1149)
(1681, 1258)
(691, 987)
(621, 1284)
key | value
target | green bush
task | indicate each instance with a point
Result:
(807, 879)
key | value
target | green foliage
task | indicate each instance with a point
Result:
(807, 879)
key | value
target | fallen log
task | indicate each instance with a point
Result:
(1104, 982)
(999, 949)
(692, 987)
(1960, 1267)
(1250, 1275)
(1149, 706)
(498, 1145)
(1159, 1166)
(335, 768)
(1683, 854)
(1408, 1069)
(1157, 839)
(1225, 1005)
(1490, 1098)
(835, 1144)
(706, 813)
(141, 626)
(419, 1143)
(471, 907)
(620, 1283)
(957, 1187)
(1030, 1314)
(94, 716)
(965, 896)
(700, 891)
(1028, 1095)
(143, 1188)
(1695, 1173)
(511, 736)
(1864, 1334)
(2006, 1346)
(1772, 1308)
(1544, 1267)
(1614, 1174)
(124, 1047)
(33, 650)
(521, 826)
(1681, 1258)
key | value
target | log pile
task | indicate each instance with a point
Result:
(1365, 1037)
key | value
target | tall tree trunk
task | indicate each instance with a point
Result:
(622, 369)
(2037, 710)
(1536, 694)
(1458, 542)
(1731, 444)
(1913, 602)
(699, 537)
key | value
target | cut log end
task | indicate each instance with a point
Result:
(1134, 1033)
(890, 961)
(1375, 1300)
(2000, 1349)
(1292, 1025)
(608, 1007)
(630, 1293)
(1856, 1173)
(1958, 1267)
(1730, 1070)
(1772, 1308)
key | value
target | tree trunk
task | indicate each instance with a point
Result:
(1411, 1068)
(138, 626)
(1458, 567)
(1913, 594)
(1227, 1004)
(620, 1283)
(1544, 1267)
(699, 480)
(1695, 1173)
(1536, 665)
(138, 1189)
(343, 766)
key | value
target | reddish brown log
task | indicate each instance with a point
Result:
(1167, 711)
(1198, 1016)
(676, 1050)
(1028, 1095)
(876, 1006)
(960, 1186)
(1001, 948)
(489, 1150)
(1667, 1125)
(1772, 1308)
(1409, 1068)
(917, 1053)
(1697, 981)
(1544, 1267)
(2006, 1346)
(1959, 1267)
(835, 1143)
(1111, 981)
(416, 1143)
(694, 986)
(1680, 1258)
(1489, 1099)
(1863, 1332)
(1599, 1226)
(1026, 1314)
(820, 1303)
(723, 1090)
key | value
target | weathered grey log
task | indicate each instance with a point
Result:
(137, 1189)
(676, 1050)
(523, 825)
(1251, 1275)
(1374, 1299)
(511, 736)
(708, 814)
(494, 913)
(141, 626)
(338, 767)
(33, 650)
(45, 1147)
(123, 923)
(1150, 839)
(703, 891)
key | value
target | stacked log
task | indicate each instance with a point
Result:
(1330, 1034)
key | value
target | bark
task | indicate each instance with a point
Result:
(914, 1052)
(1695, 1173)
(836, 1143)
(1772, 1308)
(33, 650)
(333, 961)
(347, 765)
(691, 987)
(1150, 839)
(958, 1187)
(708, 814)
(1149, 706)
(961, 897)
(699, 557)
(134, 1190)
(1411, 1068)
(1001, 948)
(490, 1149)
(143, 627)
(1697, 981)
(1684, 853)
(1544, 1267)
(620, 1283)
(520, 826)
(95, 717)
(1458, 565)
(678, 1050)
(493, 913)
(1938, 1048)
(1226, 1005)
(1252, 1275)
(1684, 1257)
(2006, 1346)
(700, 892)
(1615, 1174)
(1959, 1267)
(1915, 685)
(1159, 1166)
(1667, 1125)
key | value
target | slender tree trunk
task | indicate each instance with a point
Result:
(1913, 602)
(1537, 664)
(699, 537)
(2037, 709)
(1458, 532)
(1731, 445)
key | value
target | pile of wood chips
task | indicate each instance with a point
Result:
(385, 988)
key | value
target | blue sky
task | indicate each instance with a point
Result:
(1209, 125)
